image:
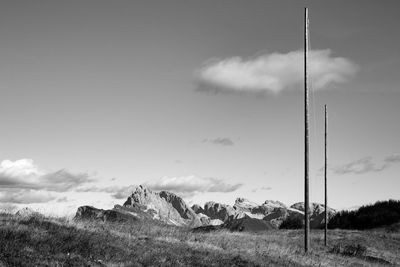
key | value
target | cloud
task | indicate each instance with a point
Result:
(393, 158)
(273, 72)
(192, 184)
(117, 192)
(22, 181)
(223, 141)
(25, 196)
(365, 165)
(359, 166)
(25, 174)
(124, 192)
(264, 188)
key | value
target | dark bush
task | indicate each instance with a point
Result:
(295, 222)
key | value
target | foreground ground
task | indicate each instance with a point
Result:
(39, 241)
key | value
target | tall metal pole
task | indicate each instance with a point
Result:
(306, 143)
(325, 174)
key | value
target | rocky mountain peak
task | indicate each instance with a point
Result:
(274, 203)
(142, 195)
(218, 211)
(239, 200)
(179, 204)
(244, 204)
(314, 207)
(164, 205)
(197, 209)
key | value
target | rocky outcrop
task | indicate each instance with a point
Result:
(197, 209)
(219, 211)
(114, 215)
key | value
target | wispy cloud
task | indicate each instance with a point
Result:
(25, 196)
(359, 166)
(223, 141)
(366, 164)
(116, 191)
(273, 72)
(192, 184)
(123, 192)
(264, 188)
(393, 158)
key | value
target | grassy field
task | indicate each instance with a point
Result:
(41, 241)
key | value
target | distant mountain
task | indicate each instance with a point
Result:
(164, 206)
(272, 212)
(169, 208)
(244, 204)
(218, 211)
(317, 213)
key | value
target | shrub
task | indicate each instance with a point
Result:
(295, 222)
(355, 250)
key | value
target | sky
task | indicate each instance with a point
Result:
(201, 98)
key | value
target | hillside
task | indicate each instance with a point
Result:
(34, 240)
(382, 213)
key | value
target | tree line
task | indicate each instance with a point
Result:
(382, 213)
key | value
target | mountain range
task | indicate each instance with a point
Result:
(169, 208)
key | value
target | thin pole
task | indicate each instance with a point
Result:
(306, 135)
(326, 177)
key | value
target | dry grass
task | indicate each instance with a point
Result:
(39, 241)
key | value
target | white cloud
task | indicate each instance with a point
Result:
(23, 183)
(24, 174)
(20, 168)
(274, 72)
(192, 184)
